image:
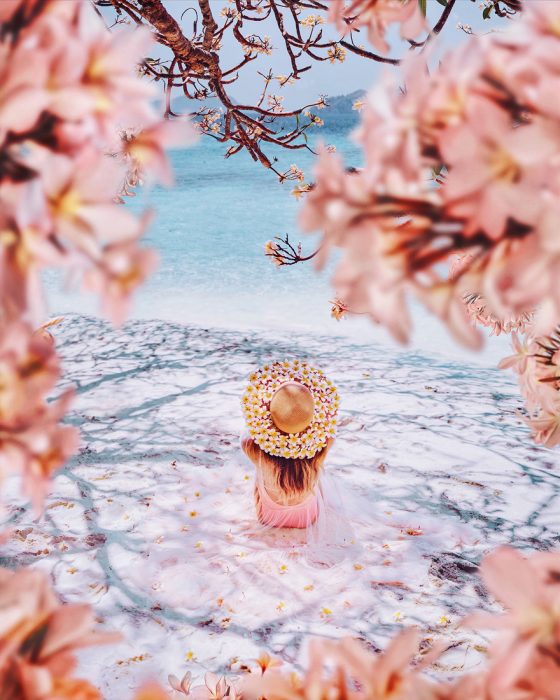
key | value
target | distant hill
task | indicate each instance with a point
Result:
(337, 115)
(337, 104)
(342, 104)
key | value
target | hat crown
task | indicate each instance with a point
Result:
(292, 407)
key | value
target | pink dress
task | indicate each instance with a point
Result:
(274, 514)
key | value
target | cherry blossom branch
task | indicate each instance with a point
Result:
(396, 228)
(364, 53)
(439, 25)
(284, 253)
(536, 361)
(201, 75)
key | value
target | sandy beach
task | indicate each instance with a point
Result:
(153, 524)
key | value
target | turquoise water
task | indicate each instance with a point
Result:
(210, 232)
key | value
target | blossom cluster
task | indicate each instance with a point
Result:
(312, 21)
(284, 80)
(210, 121)
(336, 53)
(314, 118)
(377, 16)
(256, 407)
(478, 309)
(485, 120)
(338, 309)
(275, 103)
(536, 361)
(70, 96)
(38, 637)
(214, 687)
(33, 443)
(524, 662)
(257, 45)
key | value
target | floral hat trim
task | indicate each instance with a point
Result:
(256, 406)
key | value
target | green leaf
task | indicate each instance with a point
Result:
(423, 4)
(487, 11)
(443, 2)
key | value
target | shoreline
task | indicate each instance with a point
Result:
(429, 338)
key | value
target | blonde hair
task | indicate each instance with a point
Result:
(291, 475)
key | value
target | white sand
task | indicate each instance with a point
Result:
(152, 521)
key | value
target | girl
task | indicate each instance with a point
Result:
(290, 409)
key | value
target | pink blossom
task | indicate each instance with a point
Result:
(443, 300)
(354, 673)
(495, 171)
(472, 686)
(347, 210)
(546, 425)
(334, 203)
(478, 308)
(36, 451)
(453, 88)
(459, 264)
(29, 369)
(88, 224)
(91, 70)
(265, 662)
(484, 123)
(214, 688)
(531, 624)
(390, 674)
(544, 17)
(80, 202)
(109, 75)
(38, 637)
(145, 147)
(377, 15)
(26, 248)
(338, 309)
(23, 77)
(32, 442)
(44, 448)
(537, 363)
(528, 273)
(517, 361)
(121, 269)
(74, 689)
(183, 685)
(43, 331)
(66, 84)
(369, 284)
(68, 64)
(391, 131)
(8, 8)
(526, 59)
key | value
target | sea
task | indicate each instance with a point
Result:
(210, 230)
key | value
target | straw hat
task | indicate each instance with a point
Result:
(290, 409)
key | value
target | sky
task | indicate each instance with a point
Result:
(325, 78)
